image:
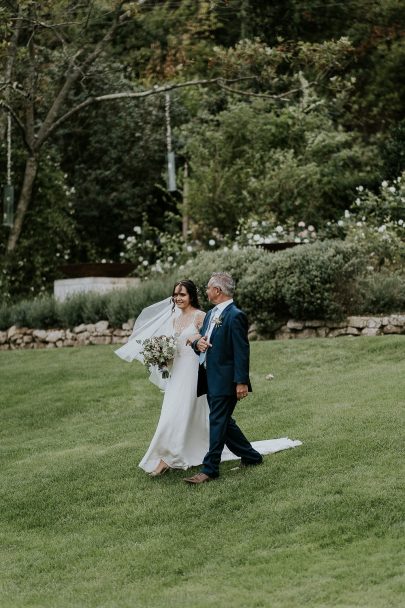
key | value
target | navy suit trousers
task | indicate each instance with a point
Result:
(225, 431)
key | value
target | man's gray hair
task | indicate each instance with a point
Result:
(224, 281)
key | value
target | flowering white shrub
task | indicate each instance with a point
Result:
(377, 221)
(152, 250)
(158, 252)
(265, 231)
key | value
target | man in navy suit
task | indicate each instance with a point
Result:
(224, 376)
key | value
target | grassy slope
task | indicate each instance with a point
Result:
(82, 526)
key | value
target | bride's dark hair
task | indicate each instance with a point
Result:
(191, 290)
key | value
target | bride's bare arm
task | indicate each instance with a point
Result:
(199, 320)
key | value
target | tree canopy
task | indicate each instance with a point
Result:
(278, 109)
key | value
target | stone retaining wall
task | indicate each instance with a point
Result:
(101, 333)
(352, 326)
(98, 333)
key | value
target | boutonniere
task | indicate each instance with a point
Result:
(218, 322)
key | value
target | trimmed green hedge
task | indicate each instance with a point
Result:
(307, 282)
(116, 307)
(380, 292)
(323, 280)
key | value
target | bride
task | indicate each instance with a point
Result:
(181, 438)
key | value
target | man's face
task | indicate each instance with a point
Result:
(213, 293)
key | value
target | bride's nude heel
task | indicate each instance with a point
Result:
(161, 471)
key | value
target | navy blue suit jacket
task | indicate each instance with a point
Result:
(227, 360)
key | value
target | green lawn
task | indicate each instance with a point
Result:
(320, 526)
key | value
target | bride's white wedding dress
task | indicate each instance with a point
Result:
(182, 434)
(181, 437)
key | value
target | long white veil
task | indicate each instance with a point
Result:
(155, 320)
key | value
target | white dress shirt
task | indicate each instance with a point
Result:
(215, 315)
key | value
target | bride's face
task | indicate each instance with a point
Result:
(181, 297)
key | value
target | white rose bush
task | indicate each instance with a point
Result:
(376, 222)
(266, 231)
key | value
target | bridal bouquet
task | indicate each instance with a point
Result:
(159, 352)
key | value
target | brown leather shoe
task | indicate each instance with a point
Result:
(199, 478)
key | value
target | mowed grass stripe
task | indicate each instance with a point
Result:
(82, 525)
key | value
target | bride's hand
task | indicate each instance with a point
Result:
(192, 339)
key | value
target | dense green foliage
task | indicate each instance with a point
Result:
(50, 236)
(314, 281)
(115, 155)
(293, 163)
(321, 111)
(380, 291)
(318, 525)
(322, 280)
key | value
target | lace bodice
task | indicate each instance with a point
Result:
(185, 329)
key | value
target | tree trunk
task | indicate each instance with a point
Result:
(9, 69)
(30, 173)
(185, 218)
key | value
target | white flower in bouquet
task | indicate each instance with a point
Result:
(159, 352)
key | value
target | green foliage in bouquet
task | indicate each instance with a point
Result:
(159, 352)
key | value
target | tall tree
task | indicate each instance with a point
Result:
(34, 96)
(47, 72)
